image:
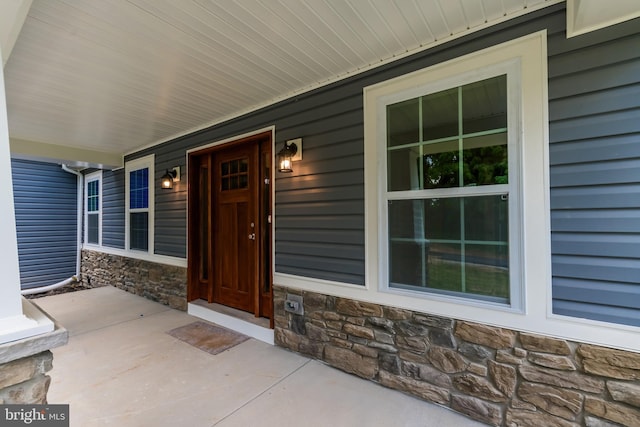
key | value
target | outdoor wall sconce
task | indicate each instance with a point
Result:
(291, 152)
(170, 177)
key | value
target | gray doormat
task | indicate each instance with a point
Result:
(210, 338)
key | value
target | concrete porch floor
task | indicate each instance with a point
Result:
(121, 368)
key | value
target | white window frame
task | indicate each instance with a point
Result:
(133, 165)
(91, 177)
(524, 61)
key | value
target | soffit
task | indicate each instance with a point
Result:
(112, 76)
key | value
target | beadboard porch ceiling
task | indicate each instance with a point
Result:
(111, 76)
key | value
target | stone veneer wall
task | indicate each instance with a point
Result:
(495, 375)
(24, 381)
(165, 284)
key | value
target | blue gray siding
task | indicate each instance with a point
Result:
(171, 213)
(113, 208)
(594, 114)
(595, 158)
(45, 200)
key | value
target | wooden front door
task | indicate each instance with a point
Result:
(229, 225)
(235, 218)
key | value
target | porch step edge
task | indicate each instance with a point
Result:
(233, 323)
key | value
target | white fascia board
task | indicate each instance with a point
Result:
(584, 16)
(71, 156)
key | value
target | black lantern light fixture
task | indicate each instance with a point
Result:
(291, 152)
(170, 177)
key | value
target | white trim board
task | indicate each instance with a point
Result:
(159, 259)
(246, 328)
(584, 16)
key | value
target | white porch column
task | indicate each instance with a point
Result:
(14, 324)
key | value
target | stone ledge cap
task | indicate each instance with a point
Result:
(29, 346)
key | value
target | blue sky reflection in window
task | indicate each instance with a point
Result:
(139, 189)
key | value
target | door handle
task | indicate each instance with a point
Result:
(252, 236)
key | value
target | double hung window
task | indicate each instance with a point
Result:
(139, 204)
(455, 174)
(93, 208)
(448, 189)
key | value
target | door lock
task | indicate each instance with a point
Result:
(252, 236)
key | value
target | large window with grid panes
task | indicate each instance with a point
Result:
(449, 203)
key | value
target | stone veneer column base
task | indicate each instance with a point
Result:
(23, 381)
(165, 284)
(498, 376)
(23, 367)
